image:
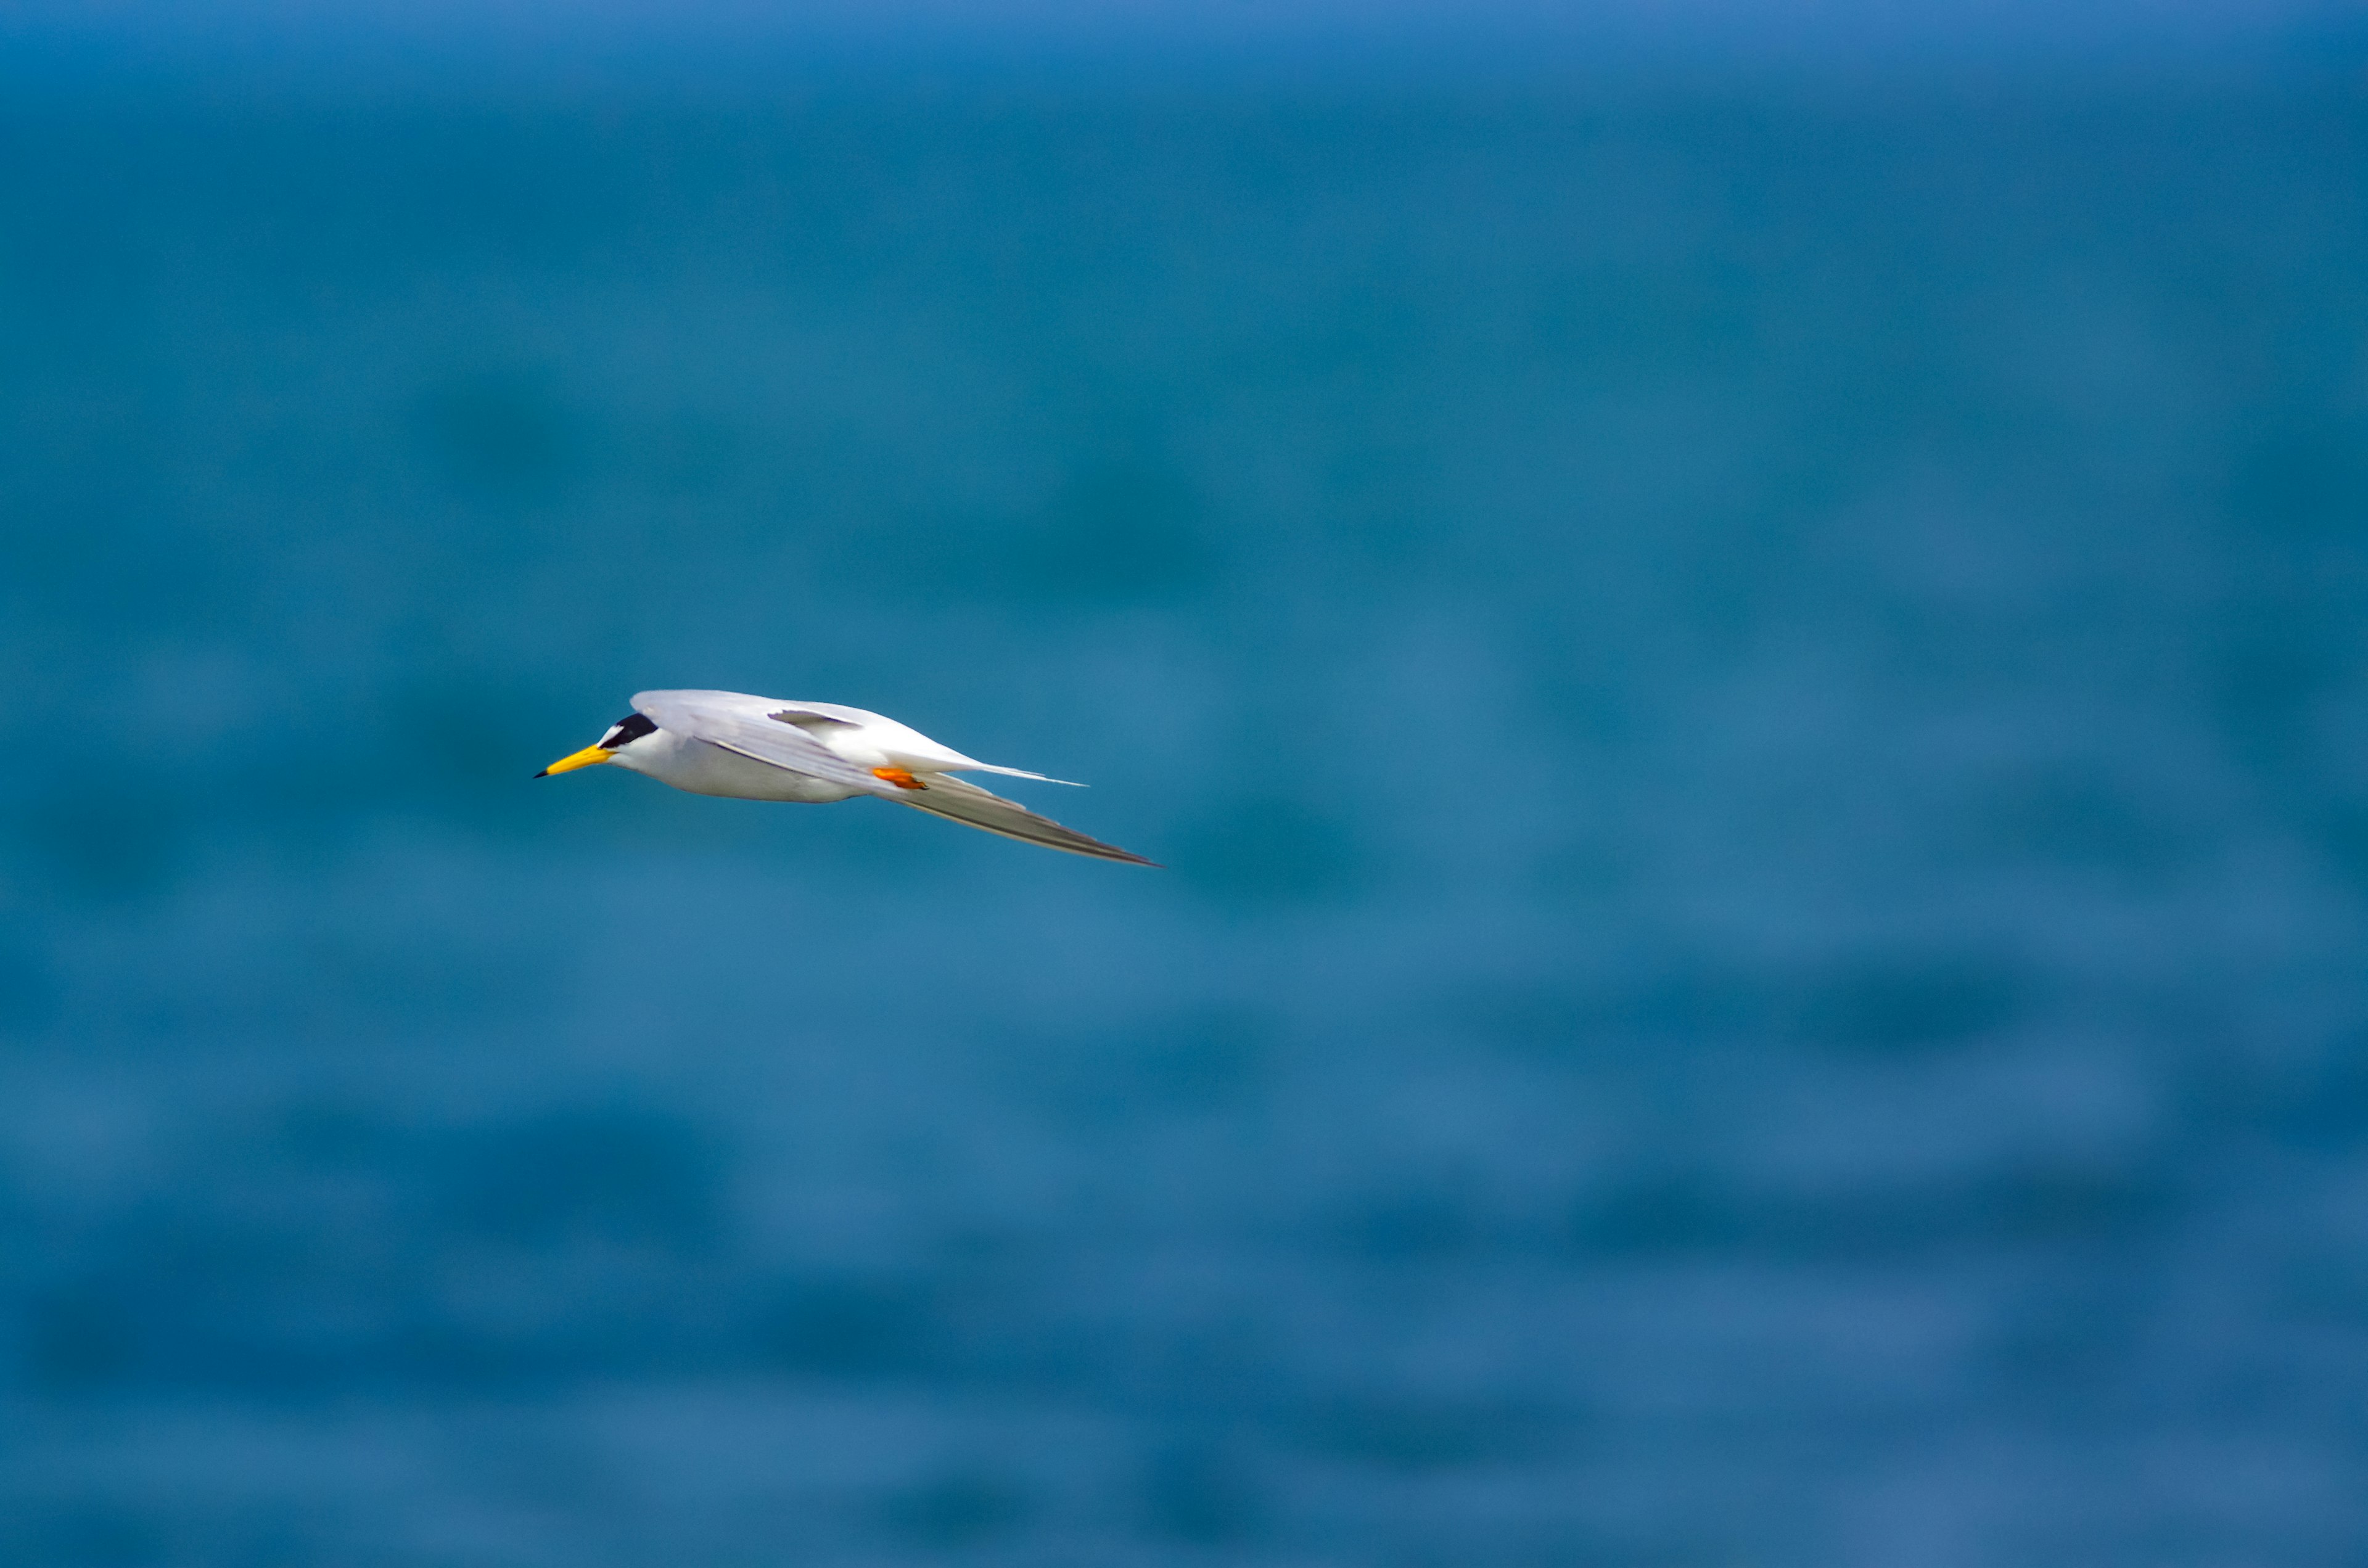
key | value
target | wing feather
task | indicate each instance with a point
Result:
(967, 803)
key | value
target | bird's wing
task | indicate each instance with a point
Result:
(819, 717)
(903, 743)
(965, 802)
(813, 723)
(723, 719)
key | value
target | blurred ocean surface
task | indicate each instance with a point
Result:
(1757, 703)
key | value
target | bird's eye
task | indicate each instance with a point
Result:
(626, 731)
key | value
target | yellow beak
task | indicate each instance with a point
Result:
(584, 758)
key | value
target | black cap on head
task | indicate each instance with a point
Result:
(626, 731)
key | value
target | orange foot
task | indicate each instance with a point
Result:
(899, 777)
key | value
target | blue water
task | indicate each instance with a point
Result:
(1757, 701)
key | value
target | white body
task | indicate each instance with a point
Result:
(703, 769)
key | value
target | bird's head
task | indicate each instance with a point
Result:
(621, 733)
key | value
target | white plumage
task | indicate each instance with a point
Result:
(765, 748)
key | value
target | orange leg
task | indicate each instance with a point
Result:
(899, 777)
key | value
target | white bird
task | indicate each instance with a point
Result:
(762, 748)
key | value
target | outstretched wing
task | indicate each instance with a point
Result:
(740, 724)
(902, 744)
(949, 797)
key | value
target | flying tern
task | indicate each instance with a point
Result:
(763, 748)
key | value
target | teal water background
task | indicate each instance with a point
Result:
(1755, 699)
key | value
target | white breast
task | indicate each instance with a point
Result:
(704, 769)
